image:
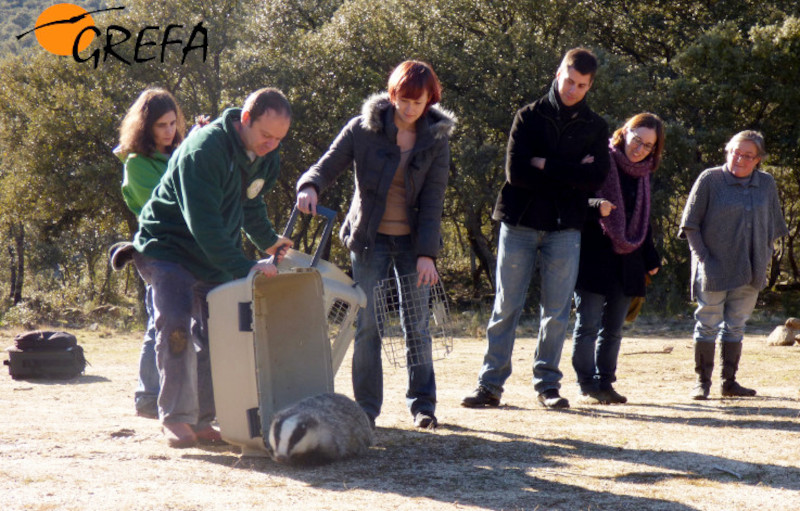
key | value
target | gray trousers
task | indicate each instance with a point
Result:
(180, 314)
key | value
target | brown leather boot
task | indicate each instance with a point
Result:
(731, 353)
(704, 367)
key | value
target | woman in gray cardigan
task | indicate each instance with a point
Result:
(731, 220)
(399, 150)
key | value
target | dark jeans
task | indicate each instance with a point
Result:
(146, 395)
(180, 312)
(392, 255)
(597, 337)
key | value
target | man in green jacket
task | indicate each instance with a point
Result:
(189, 241)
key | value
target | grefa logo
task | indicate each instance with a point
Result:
(68, 29)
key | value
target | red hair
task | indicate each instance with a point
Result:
(411, 78)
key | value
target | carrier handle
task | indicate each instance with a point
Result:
(330, 216)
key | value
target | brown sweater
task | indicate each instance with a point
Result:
(395, 218)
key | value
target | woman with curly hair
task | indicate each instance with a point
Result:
(152, 128)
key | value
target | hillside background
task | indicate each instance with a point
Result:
(708, 68)
(19, 16)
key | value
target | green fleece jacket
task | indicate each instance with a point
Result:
(142, 174)
(210, 192)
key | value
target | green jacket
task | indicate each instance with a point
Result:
(141, 175)
(210, 192)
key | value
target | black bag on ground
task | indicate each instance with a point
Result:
(43, 354)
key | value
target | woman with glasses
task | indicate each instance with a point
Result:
(732, 219)
(617, 253)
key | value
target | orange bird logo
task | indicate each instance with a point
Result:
(58, 26)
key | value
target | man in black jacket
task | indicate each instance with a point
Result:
(557, 157)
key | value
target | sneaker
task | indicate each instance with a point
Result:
(147, 413)
(731, 388)
(700, 392)
(610, 396)
(147, 406)
(551, 399)
(479, 398)
(590, 397)
(425, 420)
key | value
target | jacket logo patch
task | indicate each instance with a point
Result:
(254, 188)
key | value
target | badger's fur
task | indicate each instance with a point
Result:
(320, 429)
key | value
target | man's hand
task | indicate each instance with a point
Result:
(279, 248)
(426, 269)
(538, 162)
(606, 207)
(307, 200)
(653, 271)
(587, 159)
(265, 267)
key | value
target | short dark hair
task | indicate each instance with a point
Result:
(581, 60)
(411, 78)
(265, 99)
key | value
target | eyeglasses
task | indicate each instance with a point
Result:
(744, 157)
(638, 142)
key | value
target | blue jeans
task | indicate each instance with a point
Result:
(391, 255)
(516, 261)
(723, 314)
(597, 337)
(180, 313)
(146, 395)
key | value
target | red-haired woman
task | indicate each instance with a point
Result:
(617, 253)
(399, 150)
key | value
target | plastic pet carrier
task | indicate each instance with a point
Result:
(271, 341)
(342, 298)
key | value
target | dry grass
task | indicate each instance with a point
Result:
(77, 445)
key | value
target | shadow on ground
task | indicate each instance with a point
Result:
(736, 416)
(78, 380)
(461, 465)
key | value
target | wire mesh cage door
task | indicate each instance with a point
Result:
(420, 313)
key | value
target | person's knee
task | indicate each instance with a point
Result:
(177, 341)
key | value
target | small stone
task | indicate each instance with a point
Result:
(781, 336)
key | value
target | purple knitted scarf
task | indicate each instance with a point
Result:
(626, 238)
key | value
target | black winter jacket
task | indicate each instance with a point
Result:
(601, 269)
(368, 143)
(555, 198)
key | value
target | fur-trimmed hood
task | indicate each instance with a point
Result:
(441, 122)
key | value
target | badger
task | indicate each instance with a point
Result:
(320, 429)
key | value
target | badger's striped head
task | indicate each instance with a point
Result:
(294, 439)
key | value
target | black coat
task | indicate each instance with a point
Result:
(556, 197)
(601, 269)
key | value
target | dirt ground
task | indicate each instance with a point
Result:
(77, 445)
